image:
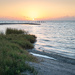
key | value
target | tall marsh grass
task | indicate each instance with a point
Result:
(15, 31)
(13, 52)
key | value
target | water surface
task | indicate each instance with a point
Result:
(57, 37)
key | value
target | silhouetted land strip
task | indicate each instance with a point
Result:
(20, 23)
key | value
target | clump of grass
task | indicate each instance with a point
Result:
(15, 31)
(13, 52)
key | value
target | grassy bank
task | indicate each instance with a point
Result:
(13, 52)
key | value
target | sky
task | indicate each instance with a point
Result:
(37, 9)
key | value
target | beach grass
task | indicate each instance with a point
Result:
(15, 31)
(13, 53)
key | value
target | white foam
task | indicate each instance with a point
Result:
(44, 56)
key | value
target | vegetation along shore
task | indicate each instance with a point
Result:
(13, 53)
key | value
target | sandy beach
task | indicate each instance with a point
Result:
(51, 66)
(48, 66)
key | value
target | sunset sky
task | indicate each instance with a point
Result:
(36, 9)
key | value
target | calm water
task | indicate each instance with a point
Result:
(54, 37)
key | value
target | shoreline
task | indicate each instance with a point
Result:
(55, 56)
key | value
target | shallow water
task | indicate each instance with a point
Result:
(57, 37)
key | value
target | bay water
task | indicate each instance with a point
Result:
(57, 37)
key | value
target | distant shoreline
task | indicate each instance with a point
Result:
(20, 23)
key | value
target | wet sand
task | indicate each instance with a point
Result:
(58, 57)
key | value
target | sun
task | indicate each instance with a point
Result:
(33, 19)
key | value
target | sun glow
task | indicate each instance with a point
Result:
(33, 15)
(30, 15)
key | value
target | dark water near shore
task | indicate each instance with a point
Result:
(55, 37)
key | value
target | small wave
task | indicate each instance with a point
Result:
(70, 48)
(47, 46)
(46, 40)
(44, 56)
